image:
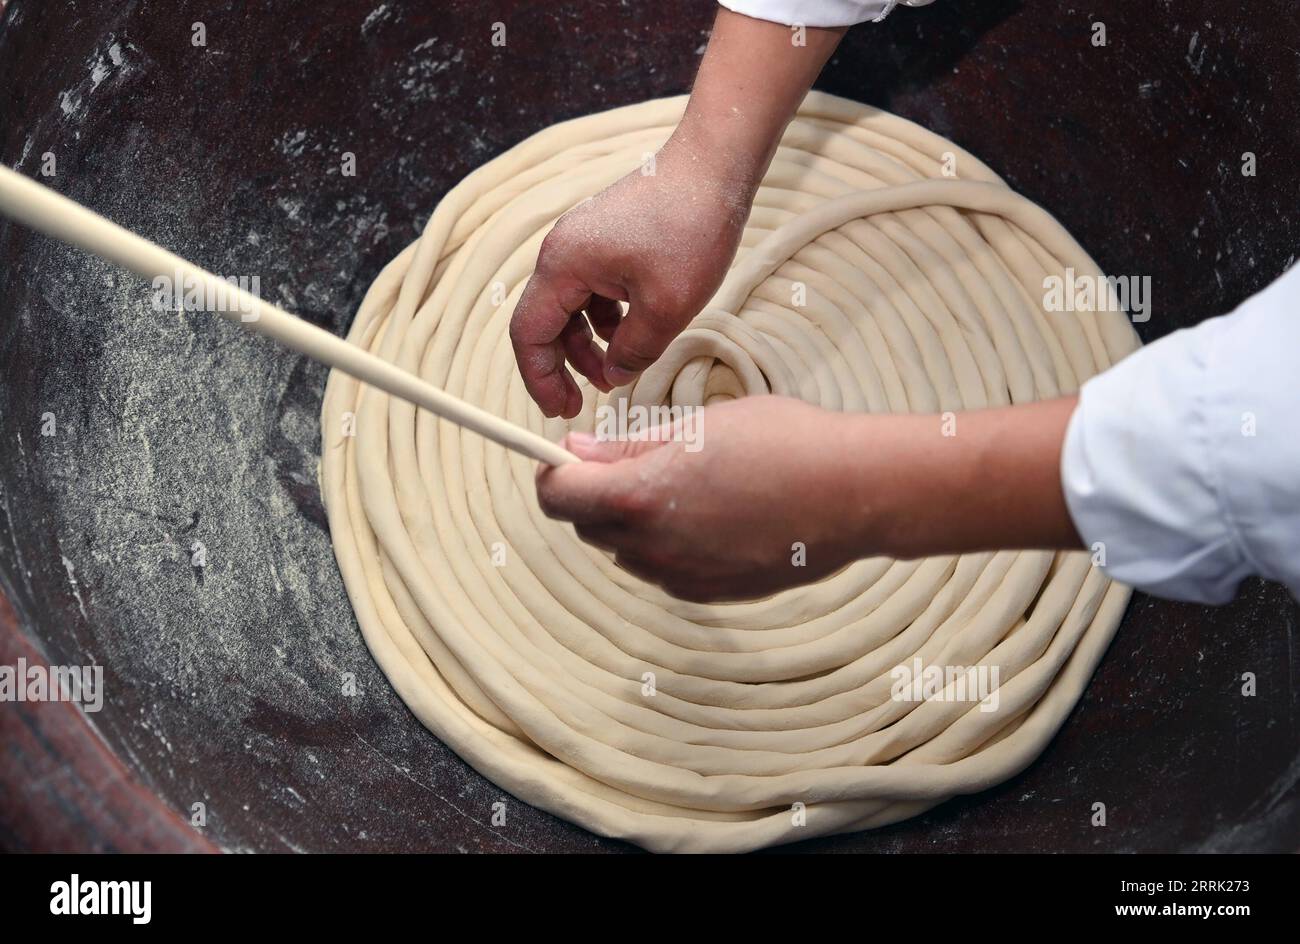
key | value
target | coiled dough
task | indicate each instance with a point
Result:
(689, 727)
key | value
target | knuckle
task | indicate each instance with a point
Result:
(523, 319)
(556, 243)
(517, 320)
(553, 241)
(637, 352)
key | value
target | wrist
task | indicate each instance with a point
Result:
(874, 501)
(717, 150)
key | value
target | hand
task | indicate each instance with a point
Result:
(720, 523)
(660, 241)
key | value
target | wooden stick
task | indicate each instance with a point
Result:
(42, 209)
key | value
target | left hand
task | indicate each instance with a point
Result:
(723, 522)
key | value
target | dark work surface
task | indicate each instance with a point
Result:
(225, 681)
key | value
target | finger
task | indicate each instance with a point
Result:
(639, 340)
(590, 449)
(607, 537)
(638, 565)
(582, 352)
(536, 325)
(604, 315)
(587, 493)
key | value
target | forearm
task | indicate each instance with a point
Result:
(752, 78)
(981, 480)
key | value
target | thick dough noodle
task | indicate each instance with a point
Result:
(922, 293)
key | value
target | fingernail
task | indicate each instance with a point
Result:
(619, 376)
(582, 440)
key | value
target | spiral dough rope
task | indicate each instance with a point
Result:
(690, 727)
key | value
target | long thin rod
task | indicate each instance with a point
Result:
(42, 209)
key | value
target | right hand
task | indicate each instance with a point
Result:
(661, 241)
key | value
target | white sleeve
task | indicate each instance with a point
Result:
(818, 12)
(1183, 461)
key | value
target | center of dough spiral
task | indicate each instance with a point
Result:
(868, 280)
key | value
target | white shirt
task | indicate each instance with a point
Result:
(1182, 462)
(818, 13)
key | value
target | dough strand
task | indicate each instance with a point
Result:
(690, 727)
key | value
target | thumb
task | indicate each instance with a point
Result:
(639, 340)
(590, 449)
